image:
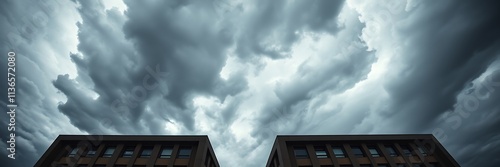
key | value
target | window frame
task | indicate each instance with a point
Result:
(105, 155)
(126, 149)
(358, 148)
(179, 155)
(143, 149)
(321, 148)
(302, 148)
(341, 150)
(165, 148)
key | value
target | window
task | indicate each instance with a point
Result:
(373, 151)
(406, 150)
(73, 152)
(417, 165)
(146, 152)
(184, 152)
(400, 165)
(422, 150)
(339, 152)
(300, 152)
(382, 165)
(109, 152)
(391, 150)
(90, 153)
(320, 152)
(357, 151)
(166, 152)
(128, 151)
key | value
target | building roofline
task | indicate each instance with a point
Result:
(354, 137)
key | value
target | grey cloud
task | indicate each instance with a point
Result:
(333, 70)
(440, 60)
(131, 60)
(32, 30)
(270, 29)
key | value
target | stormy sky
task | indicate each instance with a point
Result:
(243, 72)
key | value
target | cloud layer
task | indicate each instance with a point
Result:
(243, 72)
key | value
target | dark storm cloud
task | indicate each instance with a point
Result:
(335, 69)
(472, 127)
(271, 26)
(171, 65)
(32, 30)
(440, 59)
(446, 46)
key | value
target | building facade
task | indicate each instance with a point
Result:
(359, 151)
(129, 151)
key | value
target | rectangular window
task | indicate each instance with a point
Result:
(391, 150)
(300, 152)
(374, 151)
(184, 152)
(109, 151)
(356, 150)
(73, 152)
(129, 150)
(166, 152)
(90, 153)
(339, 152)
(146, 152)
(320, 152)
(422, 151)
(406, 150)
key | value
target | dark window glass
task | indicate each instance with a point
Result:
(422, 151)
(146, 152)
(401, 165)
(356, 150)
(184, 152)
(90, 153)
(128, 151)
(320, 152)
(166, 152)
(339, 152)
(382, 165)
(406, 150)
(417, 165)
(300, 152)
(73, 152)
(391, 150)
(109, 152)
(373, 151)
